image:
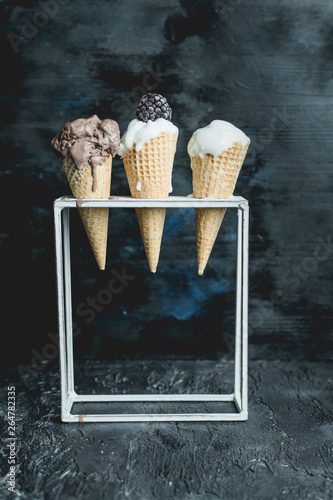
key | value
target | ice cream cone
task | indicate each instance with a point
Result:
(95, 220)
(214, 176)
(149, 173)
(86, 147)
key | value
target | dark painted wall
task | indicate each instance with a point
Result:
(266, 67)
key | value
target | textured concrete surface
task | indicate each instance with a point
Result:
(284, 450)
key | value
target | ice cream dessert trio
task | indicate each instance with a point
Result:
(87, 146)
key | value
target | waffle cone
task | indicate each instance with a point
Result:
(213, 177)
(148, 173)
(95, 220)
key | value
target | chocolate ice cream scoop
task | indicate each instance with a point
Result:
(87, 140)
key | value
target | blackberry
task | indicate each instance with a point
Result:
(153, 106)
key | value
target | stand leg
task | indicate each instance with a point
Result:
(245, 276)
(238, 320)
(68, 302)
(61, 312)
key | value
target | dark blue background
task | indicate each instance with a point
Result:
(264, 66)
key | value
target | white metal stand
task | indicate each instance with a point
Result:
(69, 397)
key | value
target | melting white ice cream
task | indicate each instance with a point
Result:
(139, 132)
(216, 138)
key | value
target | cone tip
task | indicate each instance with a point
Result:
(201, 268)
